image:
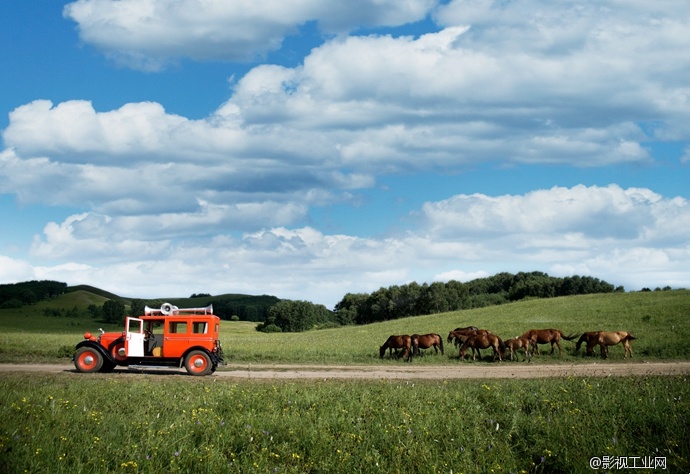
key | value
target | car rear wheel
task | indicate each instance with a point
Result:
(88, 359)
(117, 351)
(197, 363)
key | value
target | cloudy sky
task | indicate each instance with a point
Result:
(311, 148)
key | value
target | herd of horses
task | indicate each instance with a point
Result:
(476, 339)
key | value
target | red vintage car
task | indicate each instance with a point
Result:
(167, 337)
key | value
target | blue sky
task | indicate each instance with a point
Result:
(312, 148)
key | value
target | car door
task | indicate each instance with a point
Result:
(134, 337)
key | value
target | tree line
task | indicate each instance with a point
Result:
(16, 295)
(393, 302)
(413, 299)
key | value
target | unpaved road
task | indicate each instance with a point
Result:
(466, 370)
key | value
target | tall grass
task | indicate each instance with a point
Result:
(138, 423)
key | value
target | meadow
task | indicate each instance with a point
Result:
(660, 320)
(169, 422)
(127, 422)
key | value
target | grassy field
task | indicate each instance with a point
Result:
(660, 321)
(127, 422)
(162, 422)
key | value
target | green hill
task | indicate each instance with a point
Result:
(660, 320)
(97, 291)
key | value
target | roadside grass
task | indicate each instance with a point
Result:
(660, 320)
(126, 422)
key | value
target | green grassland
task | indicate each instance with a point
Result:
(169, 422)
(126, 422)
(659, 320)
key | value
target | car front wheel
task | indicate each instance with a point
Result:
(88, 359)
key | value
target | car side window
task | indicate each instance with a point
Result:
(177, 327)
(199, 327)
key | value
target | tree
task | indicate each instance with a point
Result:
(113, 312)
(297, 316)
(137, 307)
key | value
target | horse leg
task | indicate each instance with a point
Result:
(628, 349)
(560, 351)
(497, 352)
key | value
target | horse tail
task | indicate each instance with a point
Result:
(440, 340)
(569, 338)
(630, 337)
(501, 344)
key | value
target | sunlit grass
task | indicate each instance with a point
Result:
(659, 320)
(126, 422)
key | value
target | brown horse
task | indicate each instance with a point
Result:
(513, 345)
(584, 339)
(605, 339)
(483, 341)
(425, 341)
(403, 342)
(547, 336)
(459, 335)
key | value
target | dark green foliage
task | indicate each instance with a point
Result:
(296, 316)
(412, 300)
(268, 328)
(15, 295)
(95, 311)
(245, 307)
(137, 306)
(113, 311)
(62, 312)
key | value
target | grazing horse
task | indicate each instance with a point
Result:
(459, 335)
(483, 341)
(605, 339)
(512, 346)
(547, 336)
(584, 339)
(403, 342)
(425, 341)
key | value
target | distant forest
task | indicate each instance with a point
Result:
(414, 299)
(239, 307)
(16, 295)
(394, 302)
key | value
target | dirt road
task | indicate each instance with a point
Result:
(404, 371)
